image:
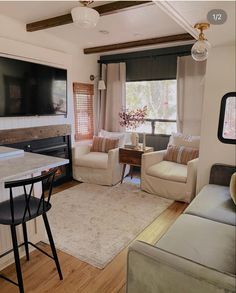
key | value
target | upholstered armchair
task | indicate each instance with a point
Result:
(169, 179)
(96, 167)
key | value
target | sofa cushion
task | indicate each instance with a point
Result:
(93, 160)
(214, 202)
(209, 243)
(169, 171)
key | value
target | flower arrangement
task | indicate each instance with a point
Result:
(132, 119)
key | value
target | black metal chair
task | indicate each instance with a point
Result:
(23, 208)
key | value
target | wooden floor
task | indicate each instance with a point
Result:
(40, 275)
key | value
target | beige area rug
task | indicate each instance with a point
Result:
(94, 223)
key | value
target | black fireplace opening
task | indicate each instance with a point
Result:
(54, 146)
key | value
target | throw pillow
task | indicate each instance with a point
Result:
(102, 144)
(232, 187)
(113, 135)
(181, 154)
(187, 140)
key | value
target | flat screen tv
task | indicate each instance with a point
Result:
(29, 89)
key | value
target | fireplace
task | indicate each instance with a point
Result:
(59, 146)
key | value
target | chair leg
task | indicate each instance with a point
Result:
(54, 252)
(17, 259)
(26, 240)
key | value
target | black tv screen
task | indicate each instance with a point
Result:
(28, 89)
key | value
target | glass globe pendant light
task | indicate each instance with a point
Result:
(84, 16)
(201, 48)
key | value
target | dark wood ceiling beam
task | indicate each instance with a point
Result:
(118, 6)
(105, 9)
(48, 23)
(139, 43)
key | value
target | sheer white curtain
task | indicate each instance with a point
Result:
(113, 99)
(190, 89)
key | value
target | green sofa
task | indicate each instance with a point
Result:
(198, 252)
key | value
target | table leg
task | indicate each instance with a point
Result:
(131, 171)
(123, 173)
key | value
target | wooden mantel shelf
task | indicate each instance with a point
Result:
(9, 136)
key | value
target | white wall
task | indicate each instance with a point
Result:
(220, 79)
(41, 47)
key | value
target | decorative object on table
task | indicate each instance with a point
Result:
(132, 119)
(134, 139)
(144, 141)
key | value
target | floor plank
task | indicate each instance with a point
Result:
(40, 275)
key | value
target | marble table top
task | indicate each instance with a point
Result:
(8, 152)
(27, 163)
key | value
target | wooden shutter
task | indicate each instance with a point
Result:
(83, 106)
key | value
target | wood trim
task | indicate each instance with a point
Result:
(139, 43)
(9, 136)
(118, 6)
(105, 9)
(48, 23)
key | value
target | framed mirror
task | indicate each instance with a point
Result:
(227, 120)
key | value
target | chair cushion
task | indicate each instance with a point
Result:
(169, 171)
(95, 160)
(214, 203)
(209, 243)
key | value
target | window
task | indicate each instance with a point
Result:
(160, 96)
(83, 106)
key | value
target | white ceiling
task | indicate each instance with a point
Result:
(196, 11)
(133, 24)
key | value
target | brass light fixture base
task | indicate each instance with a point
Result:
(202, 26)
(86, 3)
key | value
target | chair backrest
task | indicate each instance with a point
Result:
(46, 180)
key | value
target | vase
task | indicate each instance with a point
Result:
(134, 139)
(144, 141)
